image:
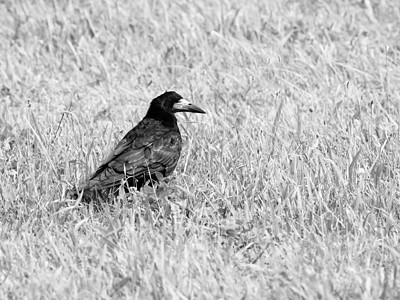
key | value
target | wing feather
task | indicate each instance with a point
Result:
(146, 149)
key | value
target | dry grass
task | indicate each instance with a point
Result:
(291, 179)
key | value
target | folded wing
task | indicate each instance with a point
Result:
(146, 149)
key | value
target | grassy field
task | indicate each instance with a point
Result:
(287, 189)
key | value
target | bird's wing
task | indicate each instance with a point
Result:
(147, 148)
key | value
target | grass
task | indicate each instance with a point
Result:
(292, 178)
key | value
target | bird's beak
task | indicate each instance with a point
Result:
(185, 106)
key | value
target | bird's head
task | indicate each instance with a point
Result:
(172, 102)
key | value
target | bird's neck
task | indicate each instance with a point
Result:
(167, 118)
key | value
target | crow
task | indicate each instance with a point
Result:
(151, 148)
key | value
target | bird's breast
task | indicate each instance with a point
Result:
(170, 141)
(174, 141)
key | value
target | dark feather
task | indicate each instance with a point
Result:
(152, 146)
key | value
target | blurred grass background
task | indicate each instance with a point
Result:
(292, 178)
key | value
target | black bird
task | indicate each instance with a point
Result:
(152, 146)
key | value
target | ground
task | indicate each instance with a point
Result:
(288, 188)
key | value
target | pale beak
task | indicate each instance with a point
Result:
(185, 106)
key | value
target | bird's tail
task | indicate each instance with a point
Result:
(80, 191)
(86, 193)
(75, 192)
